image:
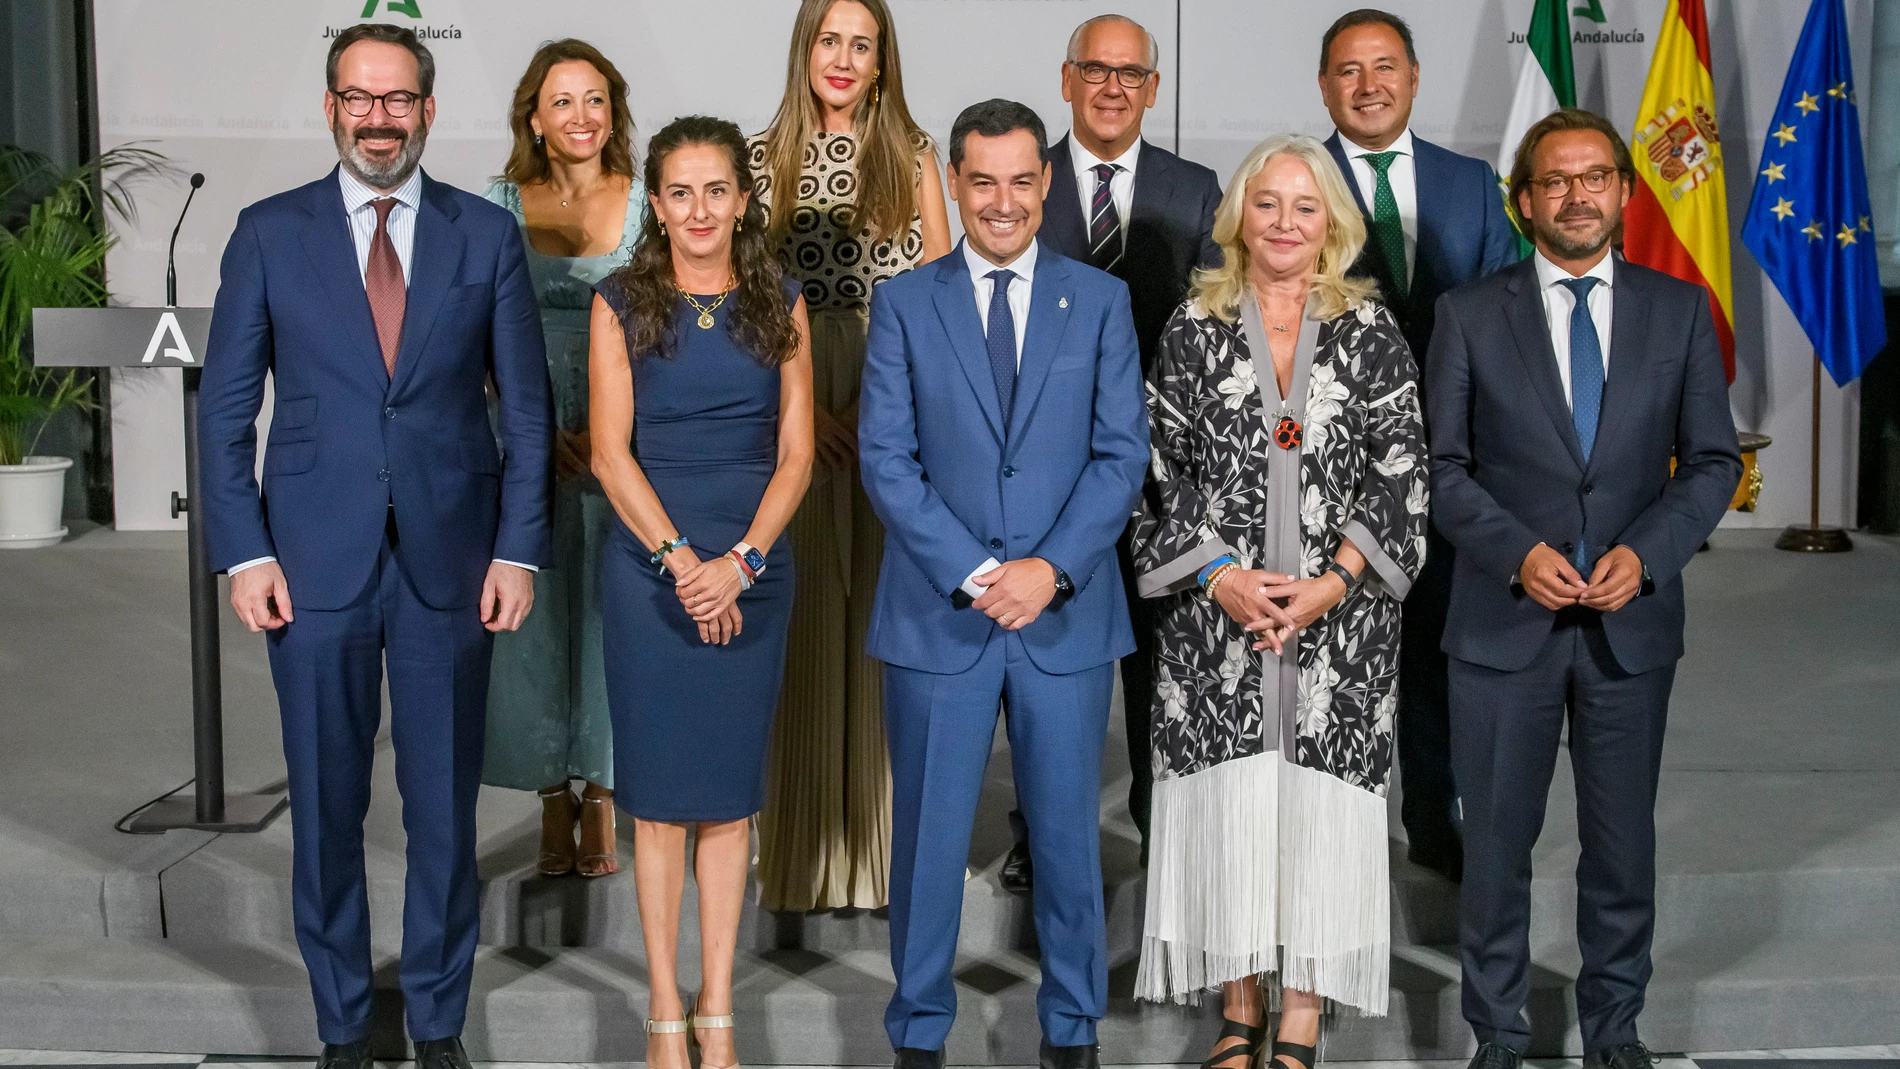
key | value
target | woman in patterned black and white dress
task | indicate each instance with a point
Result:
(855, 198)
(1283, 526)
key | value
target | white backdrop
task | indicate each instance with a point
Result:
(236, 92)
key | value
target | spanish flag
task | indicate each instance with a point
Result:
(1677, 220)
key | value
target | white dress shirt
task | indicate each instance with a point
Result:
(402, 218)
(1019, 288)
(402, 234)
(1559, 303)
(1019, 291)
(1121, 189)
(1402, 175)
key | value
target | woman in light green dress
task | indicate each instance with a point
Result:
(570, 183)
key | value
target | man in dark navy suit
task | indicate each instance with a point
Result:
(1561, 390)
(1435, 220)
(389, 529)
(1146, 216)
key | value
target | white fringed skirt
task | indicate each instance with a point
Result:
(1258, 866)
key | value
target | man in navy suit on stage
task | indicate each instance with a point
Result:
(1132, 208)
(1435, 220)
(1003, 438)
(1561, 391)
(389, 529)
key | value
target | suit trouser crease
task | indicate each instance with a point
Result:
(1506, 733)
(328, 667)
(941, 728)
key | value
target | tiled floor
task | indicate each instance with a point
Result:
(1878, 1057)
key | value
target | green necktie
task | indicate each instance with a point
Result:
(1387, 231)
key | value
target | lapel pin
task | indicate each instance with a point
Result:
(1063, 303)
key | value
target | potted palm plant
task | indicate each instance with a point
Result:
(52, 255)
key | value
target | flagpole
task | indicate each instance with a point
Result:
(1815, 538)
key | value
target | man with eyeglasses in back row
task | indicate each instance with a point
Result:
(1145, 215)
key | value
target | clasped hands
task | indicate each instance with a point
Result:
(709, 592)
(1275, 606)
(1554, 583)
(1016, 592)
(261, 597)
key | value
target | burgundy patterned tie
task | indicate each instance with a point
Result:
(382, 281)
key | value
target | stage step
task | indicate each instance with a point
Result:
(805, 1008)
(238, 888)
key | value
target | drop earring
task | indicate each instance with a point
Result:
(875, 95)
(537, 139)
(662, 228)
(739, 224)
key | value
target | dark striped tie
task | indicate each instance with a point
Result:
(1105, 224)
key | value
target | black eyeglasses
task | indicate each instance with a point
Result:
(1595, 180)
(1097, 73)
(397, 102)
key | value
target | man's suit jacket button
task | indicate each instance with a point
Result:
(1589, 488)
(383, 477)
(1569, 548)
(1009, 472)
(389, 413)
(996, 543)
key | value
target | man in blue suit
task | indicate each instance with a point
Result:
(389, 529)
(1003, 438)
(1435, 220)
(1561, 391)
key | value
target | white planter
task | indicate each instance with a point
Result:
(31, 497)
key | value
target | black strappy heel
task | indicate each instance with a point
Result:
(1308, 1056)
(1253, 1034)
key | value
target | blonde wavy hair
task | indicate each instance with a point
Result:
(1219, 289)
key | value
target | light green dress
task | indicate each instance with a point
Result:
(547, 694)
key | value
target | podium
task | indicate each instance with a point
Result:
(170, 337)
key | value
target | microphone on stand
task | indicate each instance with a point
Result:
(171, 254)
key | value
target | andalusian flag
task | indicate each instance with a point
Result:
(1677, 220)
(1547, 81)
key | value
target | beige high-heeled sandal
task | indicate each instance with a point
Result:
(667, 1028)
(609, 863)
(696, 1022)
(551, 863)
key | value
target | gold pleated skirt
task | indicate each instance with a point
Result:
(825, 832)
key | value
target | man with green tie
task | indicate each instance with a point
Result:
(1435, 220)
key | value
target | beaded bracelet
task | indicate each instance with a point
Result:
(1214, 581)
(1215, 565)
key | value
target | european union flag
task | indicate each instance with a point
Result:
(1809, 222)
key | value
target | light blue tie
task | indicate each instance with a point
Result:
(1586, 384)
(1002, 341)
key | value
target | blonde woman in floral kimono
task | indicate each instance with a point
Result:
(1283, 525)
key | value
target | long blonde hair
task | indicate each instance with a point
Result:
(889, 141)
(1220, 289)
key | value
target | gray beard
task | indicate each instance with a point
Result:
(384, 176)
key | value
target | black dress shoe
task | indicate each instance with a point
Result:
(345, 1056)
(1083, 1056)
(1621, 1056)
(917, 1058)
(1496, 1056)
(441, 1054)
(1017, 873)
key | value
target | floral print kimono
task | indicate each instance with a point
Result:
(1268, 853)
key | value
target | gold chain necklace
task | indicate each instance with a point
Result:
(706, 310)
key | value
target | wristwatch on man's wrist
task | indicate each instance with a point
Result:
(1064, 587)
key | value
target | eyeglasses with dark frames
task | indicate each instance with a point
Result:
(1097, 73)
(1595, 180)
(360, 102)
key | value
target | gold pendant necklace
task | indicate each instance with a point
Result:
(706, 310)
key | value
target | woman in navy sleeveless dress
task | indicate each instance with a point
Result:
(701, 389)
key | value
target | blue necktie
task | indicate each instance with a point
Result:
(1586, 364)
(1586, 384)
(1002, 341)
